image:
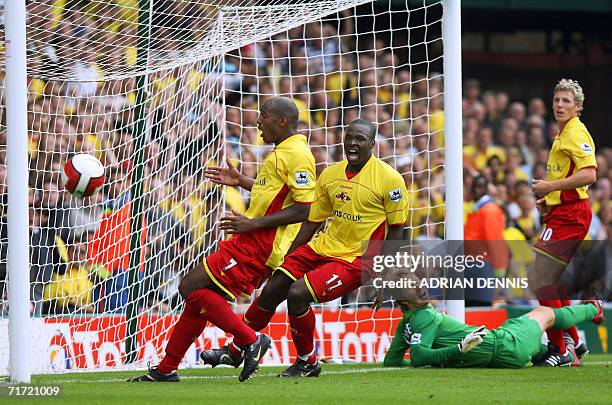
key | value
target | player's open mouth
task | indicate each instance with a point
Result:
(352, 154)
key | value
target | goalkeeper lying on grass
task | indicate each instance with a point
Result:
(438, 340)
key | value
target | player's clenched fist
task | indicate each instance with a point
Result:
(472, 339)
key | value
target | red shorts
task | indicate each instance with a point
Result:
(327, 278)
(565, 228)
(237, 267)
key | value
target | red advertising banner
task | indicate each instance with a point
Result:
(96, 343)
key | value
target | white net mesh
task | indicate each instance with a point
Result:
(209, 67)
(373, 62)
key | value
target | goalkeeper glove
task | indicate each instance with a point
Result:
(472, 339)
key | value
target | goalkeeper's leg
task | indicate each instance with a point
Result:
(563, 318)
(567, 317)
(559, 319)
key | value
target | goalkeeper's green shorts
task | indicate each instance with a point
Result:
(518, 340)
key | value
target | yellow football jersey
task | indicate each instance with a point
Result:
(573, 149)
(286, 176)
(361, 208)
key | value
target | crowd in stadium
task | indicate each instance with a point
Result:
(80, 249)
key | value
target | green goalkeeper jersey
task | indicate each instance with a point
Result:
(433, 339)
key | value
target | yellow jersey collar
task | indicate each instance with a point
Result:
(572, 122)
(368, 164)
(290, 140)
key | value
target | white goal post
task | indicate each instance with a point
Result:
(156, 96)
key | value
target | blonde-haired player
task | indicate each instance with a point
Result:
(563, 202)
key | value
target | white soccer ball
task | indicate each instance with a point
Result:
(83, 175)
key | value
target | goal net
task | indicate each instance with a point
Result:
(158, 102)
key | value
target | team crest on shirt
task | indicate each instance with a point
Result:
(395, 195)
(587, 148)
(343, 197)
(301, 178)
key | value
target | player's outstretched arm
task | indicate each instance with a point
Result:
(399, 346)
(472, 339)
(228, 176)
(291, 215)
(238, 223)
(421, 353)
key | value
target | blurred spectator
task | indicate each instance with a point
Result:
(477, 155)
(110, 245)
(484, 236)
(72, 290)
(333, 79)
(44, 257)
(483, 233)
(471, 91)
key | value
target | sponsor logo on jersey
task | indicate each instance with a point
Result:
(395, 195)
(553, 168)
(348, 216)
(301, 178)
(260, 181)
(587, 148)
(343, 197)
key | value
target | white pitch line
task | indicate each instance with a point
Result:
(229, 377)
(225, 377)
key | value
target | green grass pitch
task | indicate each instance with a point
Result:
(363, 383)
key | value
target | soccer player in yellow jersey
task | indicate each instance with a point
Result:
(563, 202)
(364, 200)
(280, 197)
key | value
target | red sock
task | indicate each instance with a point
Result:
(312, 359)
(302, 331)
(573, 332)
(218, 312)
(235, 351)
(554, 335)
(257, 318)
(189, 326)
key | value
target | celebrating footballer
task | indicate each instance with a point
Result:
(280, 196)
